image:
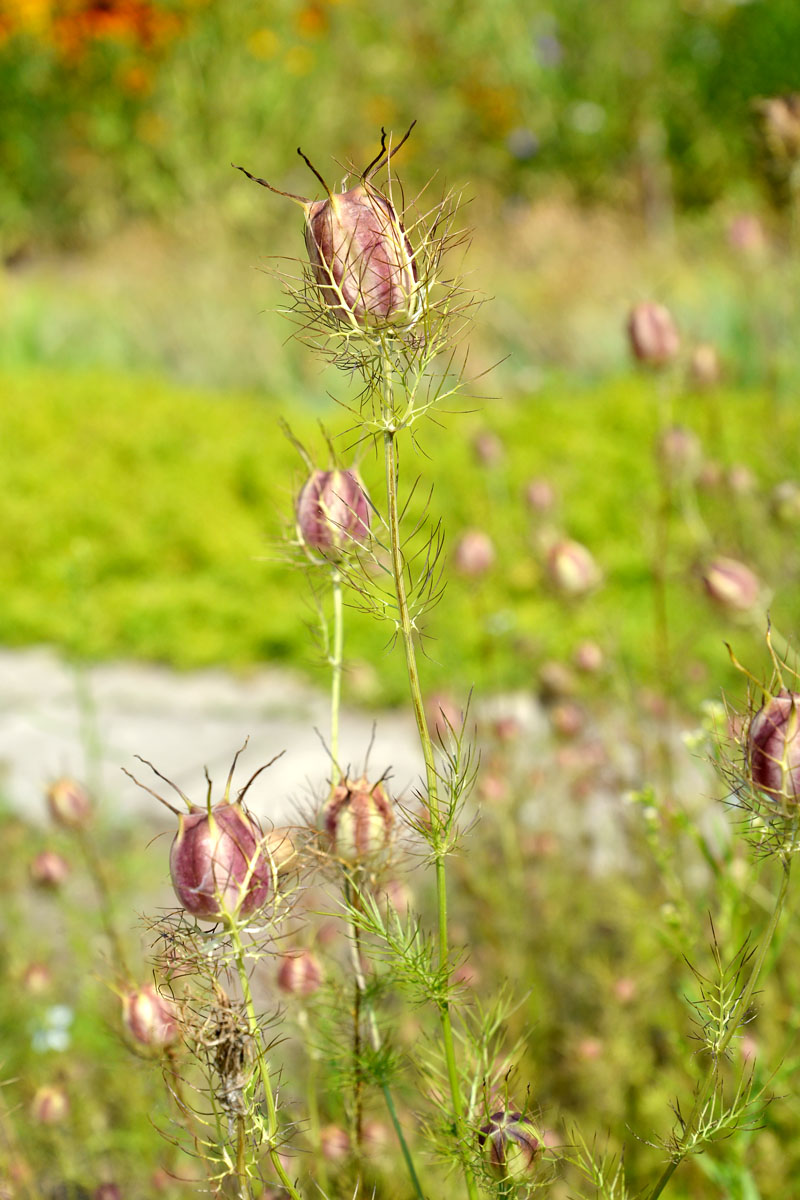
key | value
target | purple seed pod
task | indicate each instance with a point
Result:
(773, 748)
(360, 256)
(572, 568)
(300, 973)
(474, 553)
(731, 584)
(653, 334)
(511, 1145)
(49, 869)
(217, 862)
(358, 819)
(540, 495)
(333, 511)
(50, 1105)
(150, 1017)
(69, 803)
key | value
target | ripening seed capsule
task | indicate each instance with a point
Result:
(358, 819)
(218, 866)
(50, 1105)
(511, 1145)
(360, 256)
(333, 511)
(474, 553)
(653, 334)
(773, 748)
(49, 869)
(300, 973)
(731, 584)
(69, 803)
(149, 1017)
(572, 568)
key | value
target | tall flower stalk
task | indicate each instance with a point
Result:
(374, 300)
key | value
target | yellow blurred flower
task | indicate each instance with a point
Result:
(31, 16)
(299, 60)
(264, 43)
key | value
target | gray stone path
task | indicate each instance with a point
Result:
(180, 722)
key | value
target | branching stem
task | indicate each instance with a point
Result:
(261, 1057)
(407, 634)
(736, 1018)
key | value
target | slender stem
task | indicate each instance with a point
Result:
(407, 633)
(97, 872)
(261, 1059)
(336, 665)
(736, 1018)
(241, 1161)
(351, 895)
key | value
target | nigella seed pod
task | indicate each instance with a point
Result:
(731, 584)
(773, 748)
(49, 869)
(511, 1145)
(333, 511)
(218, 866)
(653, 334)
(572, 568)
(50, 1105)
(358, 820)
(300, 973)
(150, 1017)
(474, 553)
(360, 256)
(69, 803)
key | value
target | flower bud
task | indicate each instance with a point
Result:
(653, 334)
(217, 863)
(358, 819)
(773, 748)
(150, 1017)
(731, 584)
(705, 369)
(50, 1105)
(69, 803)
(511, 1144)
(332, 511)
(360, 256)
(571, 567)
(300, 973)
(49, 869)
(474, 553)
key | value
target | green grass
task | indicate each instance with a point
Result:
(145, 520)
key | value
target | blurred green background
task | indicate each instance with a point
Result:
(610, 153)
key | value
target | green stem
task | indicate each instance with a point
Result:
(736, 1018)
(98, 876)
(407, 633)
(336, 665)
(351, 895)
(261, 1059)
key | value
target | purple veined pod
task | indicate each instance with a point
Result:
(150, 1017)
(333, 512)
(511, 1144)
(731, 584)
(358, 820)
(773, 749)
(358, 251)
(653, 334)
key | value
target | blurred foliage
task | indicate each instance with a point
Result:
(116, 109)
(145, 520)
